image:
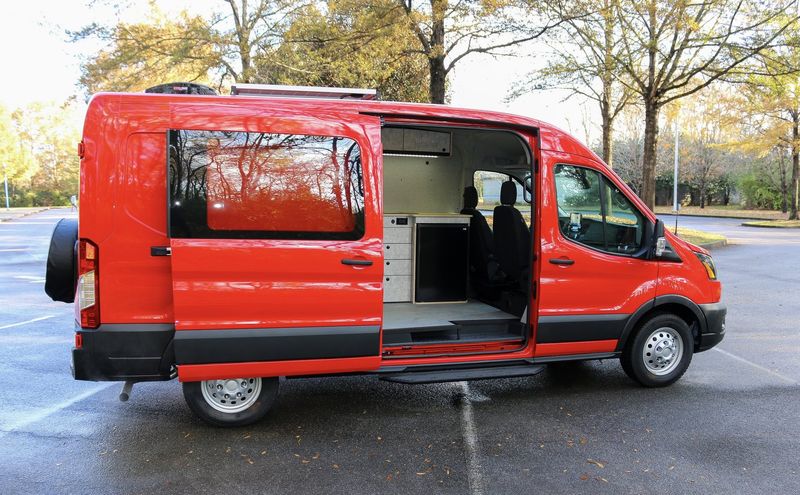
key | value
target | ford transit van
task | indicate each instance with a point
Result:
(230, 241)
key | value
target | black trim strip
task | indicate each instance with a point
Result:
(275, 344)
(577, 328)
(576, 357)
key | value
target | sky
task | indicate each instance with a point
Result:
(46, 67)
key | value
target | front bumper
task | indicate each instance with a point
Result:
(714, 314)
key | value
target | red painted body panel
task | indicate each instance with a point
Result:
(277, 283)
(524, 353)
(687, 279)
(598, 282)
(198, 372)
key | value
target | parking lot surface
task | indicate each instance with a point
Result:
(728, 426)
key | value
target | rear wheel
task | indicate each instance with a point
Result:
(231, 402)
(660, 352)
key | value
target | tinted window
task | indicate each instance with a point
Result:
(260, 185)
(594, 212)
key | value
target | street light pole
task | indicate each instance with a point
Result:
(675, 176)
(5, 181)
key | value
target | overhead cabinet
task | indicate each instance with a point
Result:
(416, 142)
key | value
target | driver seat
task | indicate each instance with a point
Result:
(512, 238)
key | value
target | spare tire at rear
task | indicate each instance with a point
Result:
(62, 270)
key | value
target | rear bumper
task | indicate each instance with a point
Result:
(116, 352)
(715, 326)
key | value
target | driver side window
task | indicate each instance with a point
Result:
(594, 212)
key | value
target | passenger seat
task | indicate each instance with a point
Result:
(512, 245)
(484, 268)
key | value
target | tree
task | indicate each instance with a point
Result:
(16, 162)
(47, 133)
(447, 32)
(188, 48)
(587, 68)
(767, 110)
(672, 49)
(348, 44)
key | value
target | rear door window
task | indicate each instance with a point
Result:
(233, 184)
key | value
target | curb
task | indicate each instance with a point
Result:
(715, 244)
(748, 224)
(43, 208)
(714, 216)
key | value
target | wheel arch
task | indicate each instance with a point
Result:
(681, 306)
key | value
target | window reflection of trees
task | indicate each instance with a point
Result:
(266, 182)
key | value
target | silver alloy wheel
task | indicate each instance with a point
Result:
(233, 395)
(662, 351)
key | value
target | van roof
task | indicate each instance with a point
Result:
(552, 138)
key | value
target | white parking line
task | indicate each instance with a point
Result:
(34, 320)
(49, 411)
(757, 366)
(469, 432)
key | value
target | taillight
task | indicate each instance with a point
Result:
(88, 284)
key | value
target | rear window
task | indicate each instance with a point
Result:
(232, 184)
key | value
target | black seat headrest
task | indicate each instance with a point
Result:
(470, 197)
(508, 193)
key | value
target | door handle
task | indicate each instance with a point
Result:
(562, 261)
(160, 251)
(352, 262)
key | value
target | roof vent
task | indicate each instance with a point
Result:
(303, 91)
(181, 88)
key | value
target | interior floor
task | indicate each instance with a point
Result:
(409, 315)
(407, 324)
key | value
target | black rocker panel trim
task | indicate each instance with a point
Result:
(275, 344)
(577, 328)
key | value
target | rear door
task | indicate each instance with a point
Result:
(275, 237)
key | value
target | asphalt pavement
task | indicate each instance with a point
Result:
(728, 426)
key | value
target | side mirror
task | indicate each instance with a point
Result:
(659, 241)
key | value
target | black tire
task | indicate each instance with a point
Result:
(634, 356)
(62, 271)
(193, 393)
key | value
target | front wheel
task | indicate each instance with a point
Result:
(660, 352)
(231, 402)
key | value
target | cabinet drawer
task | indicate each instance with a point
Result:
(397, 251)
(397, 288)
(397, 235)
(397, 267)
(396, 221)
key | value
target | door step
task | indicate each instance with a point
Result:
(464, 374)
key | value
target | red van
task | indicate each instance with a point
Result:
(294, 232)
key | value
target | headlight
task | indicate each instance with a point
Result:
(708, 263)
